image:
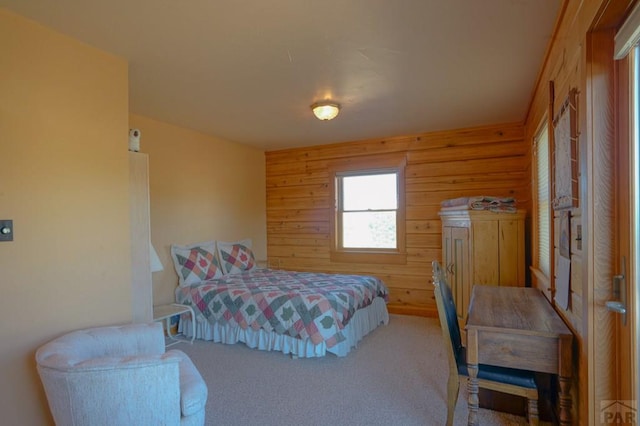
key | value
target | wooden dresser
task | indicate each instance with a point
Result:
(482, 247)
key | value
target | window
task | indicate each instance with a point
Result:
(542, 202)
(367, 210)
(368, 220)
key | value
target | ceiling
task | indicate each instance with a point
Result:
(248, 70)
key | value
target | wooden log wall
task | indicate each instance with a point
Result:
(491, 160)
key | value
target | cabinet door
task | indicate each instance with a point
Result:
(455, 253)
(485, 248)
(447, 257)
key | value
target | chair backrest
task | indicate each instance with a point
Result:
(447, 314)
(76, 347)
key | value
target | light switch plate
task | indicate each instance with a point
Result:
(6, 230)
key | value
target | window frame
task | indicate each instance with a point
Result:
(374, 164)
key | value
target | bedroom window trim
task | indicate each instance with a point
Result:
(368, 165)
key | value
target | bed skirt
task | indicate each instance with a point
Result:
(363, 322)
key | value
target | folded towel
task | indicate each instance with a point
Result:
(456, 202)
(495, 204)
(486, 203)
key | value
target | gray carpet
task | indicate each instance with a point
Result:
(396, 376)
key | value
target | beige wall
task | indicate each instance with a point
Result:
(64, 182)
(64, 121)
(201, 188)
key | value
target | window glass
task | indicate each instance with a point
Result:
(369, 229)
(370, 192)
(543, 201)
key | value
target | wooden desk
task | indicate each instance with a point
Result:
(517, 327)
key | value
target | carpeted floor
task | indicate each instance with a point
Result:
(396, 376)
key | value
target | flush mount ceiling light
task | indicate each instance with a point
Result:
(325, 110)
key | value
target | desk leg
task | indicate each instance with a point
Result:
(565, 400)
(565, 369)
(472, 384)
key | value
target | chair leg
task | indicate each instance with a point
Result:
(533, 411)
(453, 386)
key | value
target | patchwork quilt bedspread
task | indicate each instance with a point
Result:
(303, 305)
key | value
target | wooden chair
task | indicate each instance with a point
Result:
(507, 380)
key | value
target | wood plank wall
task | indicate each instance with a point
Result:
(490, 160)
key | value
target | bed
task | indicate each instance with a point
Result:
(304, 314)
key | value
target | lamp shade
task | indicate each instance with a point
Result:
(156, 265)
(325, 110)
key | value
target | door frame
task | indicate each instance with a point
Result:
(607, 211)
(598, 213)
(627, 225)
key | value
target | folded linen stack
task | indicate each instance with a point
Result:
(494, 204)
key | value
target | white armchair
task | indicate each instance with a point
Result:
(120, 376)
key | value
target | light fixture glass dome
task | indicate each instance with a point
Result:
(325, 110)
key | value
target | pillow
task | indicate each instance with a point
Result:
(196, 262)
(236, 257)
